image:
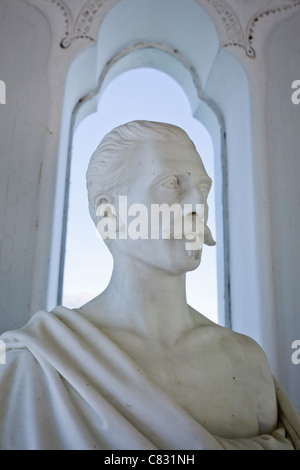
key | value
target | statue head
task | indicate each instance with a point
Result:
(131, 159)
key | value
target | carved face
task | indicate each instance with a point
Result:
(170, 173)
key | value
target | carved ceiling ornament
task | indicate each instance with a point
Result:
(82, 22)
(251, 26)
(76, 24)
(232, 32)
(82, 25)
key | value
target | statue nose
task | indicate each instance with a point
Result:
(195, 196)
(200, 195)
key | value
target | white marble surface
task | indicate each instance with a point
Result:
(137, 367)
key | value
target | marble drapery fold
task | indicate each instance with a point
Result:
(66, 385)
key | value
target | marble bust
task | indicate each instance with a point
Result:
(137, 367)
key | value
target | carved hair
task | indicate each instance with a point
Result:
(114, 164)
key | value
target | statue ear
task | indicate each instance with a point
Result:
(107, 225)
(208, 238)
(104, 208)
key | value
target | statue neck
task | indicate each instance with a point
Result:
(146, 301)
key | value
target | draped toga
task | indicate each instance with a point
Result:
(66, 385)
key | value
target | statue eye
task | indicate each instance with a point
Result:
(170, 183)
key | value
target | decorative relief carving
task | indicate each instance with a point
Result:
(81, 26)
(66, 14)
(83, 22)
(229, 18)
(232, 32)
(251, 26)
(235, 34)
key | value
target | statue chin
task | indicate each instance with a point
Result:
(194, 255)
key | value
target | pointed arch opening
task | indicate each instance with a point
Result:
(142, 93)
(216, 85)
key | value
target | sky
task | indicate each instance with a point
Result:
(138, 94)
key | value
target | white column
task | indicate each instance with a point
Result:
(25, 42)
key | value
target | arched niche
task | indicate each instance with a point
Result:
(135, 34)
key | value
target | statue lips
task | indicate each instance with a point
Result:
(185, 228)
(192, 231)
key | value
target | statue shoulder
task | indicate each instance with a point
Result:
(238, 348)
(242, 347)
(238, 365)
(232, 342)
(249, 349)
